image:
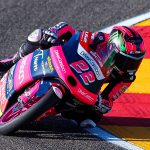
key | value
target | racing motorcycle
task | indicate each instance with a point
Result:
(48, 81)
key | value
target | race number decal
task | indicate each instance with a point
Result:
(82, 68)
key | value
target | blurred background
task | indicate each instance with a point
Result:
(18, 18)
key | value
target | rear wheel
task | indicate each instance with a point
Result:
(19, 113)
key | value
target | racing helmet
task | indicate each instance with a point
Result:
(125, 49)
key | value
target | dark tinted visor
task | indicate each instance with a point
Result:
(126, 62)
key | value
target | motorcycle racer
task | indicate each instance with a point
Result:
(118, 54)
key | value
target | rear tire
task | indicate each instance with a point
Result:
(47, 101)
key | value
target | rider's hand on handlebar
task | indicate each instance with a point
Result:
(103, 105)
(50, 37)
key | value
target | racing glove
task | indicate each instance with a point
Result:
(49, 38)
(38, 38)
(103, 105)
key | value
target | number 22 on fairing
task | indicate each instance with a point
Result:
(82, 68)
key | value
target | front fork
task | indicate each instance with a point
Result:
(36, 91)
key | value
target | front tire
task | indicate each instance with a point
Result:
(9, 125)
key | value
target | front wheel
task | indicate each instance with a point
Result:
(19, 114)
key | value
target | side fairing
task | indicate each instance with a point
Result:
(82, 64)
(34, 66)
(78, 70)
(29, 69)
(41, 64)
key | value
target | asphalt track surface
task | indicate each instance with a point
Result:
(17, 19)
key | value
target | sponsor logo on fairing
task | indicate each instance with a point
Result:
(36, 58)
(94, 54)
(84, 54)
(60, 61)
(35, 64)
(85, 94)
(21, 75)
(49, 61)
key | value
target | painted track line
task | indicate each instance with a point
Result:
(128, 22)
(108, 137)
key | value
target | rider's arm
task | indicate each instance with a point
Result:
(45, 38)
(38, 38)
(118, 84)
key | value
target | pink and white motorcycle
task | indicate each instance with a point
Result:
(40, 82)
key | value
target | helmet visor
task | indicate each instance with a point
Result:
(111, 53)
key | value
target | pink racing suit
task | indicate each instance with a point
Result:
(117, 84)
(99, 41)
(97, 44)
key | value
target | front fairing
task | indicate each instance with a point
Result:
(78, 70)
(32, 67)
(29, 69)
(76, 52)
